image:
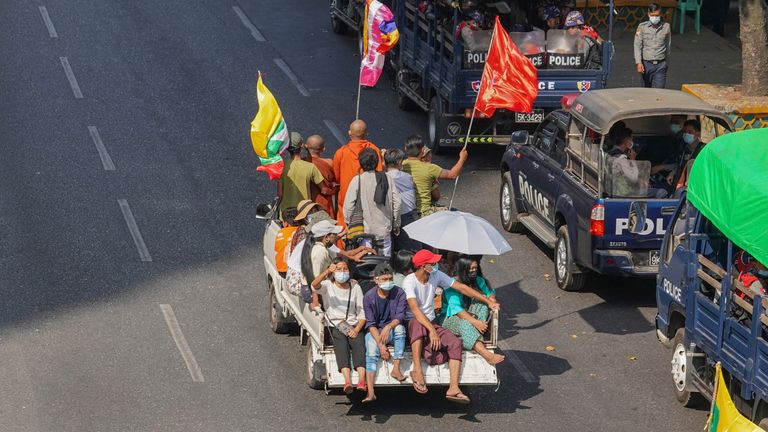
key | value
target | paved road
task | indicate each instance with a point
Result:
(131, 276)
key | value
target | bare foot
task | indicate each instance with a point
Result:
(369, 399)
(396, 374)
(495, 359)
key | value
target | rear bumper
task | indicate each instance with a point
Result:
(621, 263)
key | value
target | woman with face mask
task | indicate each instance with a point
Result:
(343, 305)
(468, 318)
(384, 316)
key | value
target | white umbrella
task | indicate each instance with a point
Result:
(459, 232)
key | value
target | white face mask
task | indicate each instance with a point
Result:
(655, 20)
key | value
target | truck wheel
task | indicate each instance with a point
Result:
(315, 370)
(277, 321)
(337, 26)
(567, 280)
(508, 205)
(679, 354)
(436, 124)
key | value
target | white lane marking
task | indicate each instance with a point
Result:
(292, 76)
(516, 362)
(105, 159)
(181, 343)
(48, 23)
(249, 25)
(134, 229)
(71, 78)
(335, 131)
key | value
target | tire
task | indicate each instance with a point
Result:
(508, 205)
(566, 279)
(277, 321)
(315, 370)
(436, 124)
(403, 102)
(763, 424)
(679, 353)
(337, 26)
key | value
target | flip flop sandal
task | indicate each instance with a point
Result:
(367, 401)
(459, 398)
(348, 388)
(399, 379)
(361, 387)
(419, 385)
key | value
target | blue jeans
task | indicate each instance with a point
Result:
(372, 355)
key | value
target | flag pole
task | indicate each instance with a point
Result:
(472, 116)
(359, 86)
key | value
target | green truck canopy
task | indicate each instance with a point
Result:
(729, 186)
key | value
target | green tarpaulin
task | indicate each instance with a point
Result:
(729, 186)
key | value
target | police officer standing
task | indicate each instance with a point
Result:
(653, 40)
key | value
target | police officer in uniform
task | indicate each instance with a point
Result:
(653, 39)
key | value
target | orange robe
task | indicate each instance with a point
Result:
(346, 166)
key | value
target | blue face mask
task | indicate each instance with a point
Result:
(675, 128)
(341, 277)
(688, 138)
(387, 286)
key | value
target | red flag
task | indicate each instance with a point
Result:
(509, 78)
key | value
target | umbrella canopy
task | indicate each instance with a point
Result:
(459, 232)
(729, 185)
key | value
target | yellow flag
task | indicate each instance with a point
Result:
(724, 417)
(269, 135)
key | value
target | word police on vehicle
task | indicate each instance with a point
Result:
(533, 196)
(657, 227)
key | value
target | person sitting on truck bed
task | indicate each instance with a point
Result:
(752, 274)
(384, 317)
(343, 305)
(625, 175)
(551, 17)
(425, 175)
(283, 240)
(428, 339)
(588, 44)
(402, 265)
(693, 145)
(468, 319)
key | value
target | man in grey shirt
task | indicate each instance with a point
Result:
(653, 40)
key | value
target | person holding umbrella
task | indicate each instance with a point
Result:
(468, 318)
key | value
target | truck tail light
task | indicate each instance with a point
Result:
(478, 114)
(597, 220)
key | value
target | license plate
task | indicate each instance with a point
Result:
(537, 116)
(653, 259)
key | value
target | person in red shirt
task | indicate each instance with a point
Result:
(346, 164)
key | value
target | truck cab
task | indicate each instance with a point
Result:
(561, 184)
(706, 313)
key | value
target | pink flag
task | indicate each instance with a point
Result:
(379, 36)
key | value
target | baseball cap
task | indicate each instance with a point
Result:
(383, 269)
(325, 227)
(425, 257)
(304, 207)
(296, 140)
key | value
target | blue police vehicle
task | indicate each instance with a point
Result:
(438, 64)
(710, 295)
(561, 184)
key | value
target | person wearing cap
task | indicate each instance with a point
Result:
(551, 17)
(323, 193)
(346, 165)
(297, 176)
(588, 42)
(343, 305)
(384, 317)
(430, 341)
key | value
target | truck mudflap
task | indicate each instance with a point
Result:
(475, 371)
(641, 263)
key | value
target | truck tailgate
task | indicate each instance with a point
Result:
(617, 235)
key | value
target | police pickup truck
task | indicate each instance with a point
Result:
(711, 307)
(562, 186)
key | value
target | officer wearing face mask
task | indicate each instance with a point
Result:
(653, 40)
(692, 145)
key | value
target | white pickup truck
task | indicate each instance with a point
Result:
(322, 372)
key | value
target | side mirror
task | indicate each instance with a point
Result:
(264, 211)
(638, 213)
(520, 137)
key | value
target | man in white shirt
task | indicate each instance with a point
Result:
(437, 344)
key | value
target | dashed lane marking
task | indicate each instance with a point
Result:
(141, 247)
(335, 131)
(71, 78)
(48, 23)
(181, 343)
(106, 161)
(292, 77)
(249, 25)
